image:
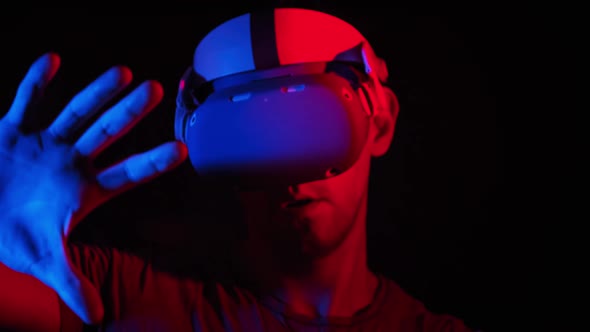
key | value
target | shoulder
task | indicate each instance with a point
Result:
(125, 270)
(412, 314)
(132, 286)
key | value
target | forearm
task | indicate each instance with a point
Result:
(26, 304)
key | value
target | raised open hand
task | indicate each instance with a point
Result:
(48, 183)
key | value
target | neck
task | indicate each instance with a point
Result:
(336, 285)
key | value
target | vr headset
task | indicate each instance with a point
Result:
(280, 125)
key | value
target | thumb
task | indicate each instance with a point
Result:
(77, 292)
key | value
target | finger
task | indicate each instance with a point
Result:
(119, 119)
(142, 167)
(89, 101)
(32, 86)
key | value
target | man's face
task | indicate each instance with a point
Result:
(314, 218)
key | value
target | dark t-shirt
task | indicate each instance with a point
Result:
(139, 297)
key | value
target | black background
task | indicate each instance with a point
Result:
(467, 209)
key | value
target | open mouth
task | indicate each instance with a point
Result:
(298, 203)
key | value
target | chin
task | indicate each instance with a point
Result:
(303, 241)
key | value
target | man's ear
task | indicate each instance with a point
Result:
(383, 125)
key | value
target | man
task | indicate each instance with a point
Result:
(302, 265)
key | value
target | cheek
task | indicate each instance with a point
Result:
(345, 193)
(348, 189)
